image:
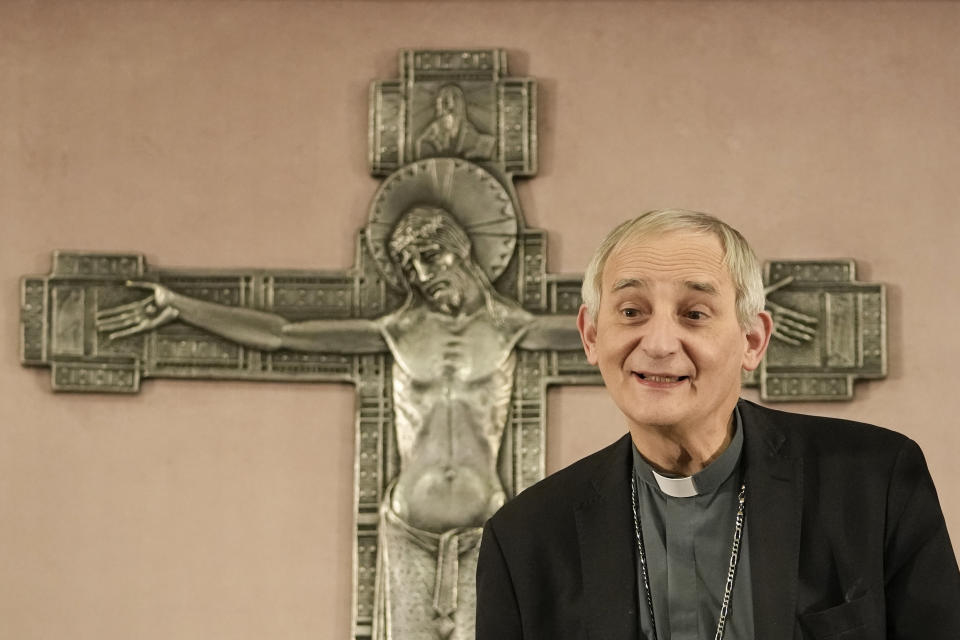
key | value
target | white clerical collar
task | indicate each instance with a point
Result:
(676, 487)
(707, 480)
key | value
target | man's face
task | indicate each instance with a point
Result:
(666, 338)
(438, 274)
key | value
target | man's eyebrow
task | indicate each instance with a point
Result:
(627, 283)
(637, 283)
(705, 287)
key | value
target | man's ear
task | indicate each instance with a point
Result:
(588, 334)
(758, 338)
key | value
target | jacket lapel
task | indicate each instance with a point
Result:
(774, 478)
(605, 532)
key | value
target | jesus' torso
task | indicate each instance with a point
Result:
(452, 380)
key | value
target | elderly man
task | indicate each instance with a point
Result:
(713, 517)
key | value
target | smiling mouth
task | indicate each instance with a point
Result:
(661, 379)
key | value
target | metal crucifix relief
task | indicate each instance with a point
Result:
(829, 331)
(448, 325)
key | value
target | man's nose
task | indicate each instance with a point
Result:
(661, 337)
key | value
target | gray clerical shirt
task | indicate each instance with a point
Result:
(687, 527)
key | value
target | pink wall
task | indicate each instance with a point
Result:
(233, 134)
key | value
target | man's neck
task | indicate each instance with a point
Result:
(679, 451)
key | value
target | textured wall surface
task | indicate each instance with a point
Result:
(233, 133)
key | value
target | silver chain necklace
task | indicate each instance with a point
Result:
(731, 571)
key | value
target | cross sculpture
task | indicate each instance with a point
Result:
(448, 325)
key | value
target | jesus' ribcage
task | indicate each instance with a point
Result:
(448, 433)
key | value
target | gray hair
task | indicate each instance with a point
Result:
(739, 259)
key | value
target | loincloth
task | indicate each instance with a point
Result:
(426, 582)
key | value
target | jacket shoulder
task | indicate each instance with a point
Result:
(559, 494)
(821, 435)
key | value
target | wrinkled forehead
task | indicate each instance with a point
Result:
(688, 258)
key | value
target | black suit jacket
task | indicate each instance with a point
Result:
(846, 540)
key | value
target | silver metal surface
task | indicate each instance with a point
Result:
(830, 331)
(448, 325)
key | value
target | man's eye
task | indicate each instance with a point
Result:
(629, 313)
(695, 315)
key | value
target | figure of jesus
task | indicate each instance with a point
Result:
(453, 345)
(451, 132)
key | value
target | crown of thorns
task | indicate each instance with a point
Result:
(407, 232)
(416, 205)
(421, 223)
